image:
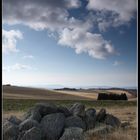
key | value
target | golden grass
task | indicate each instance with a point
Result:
(90, 95)
(7, 114)
(13, 92)
(125, 114)
(128, 134)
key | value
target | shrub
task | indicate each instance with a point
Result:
(112, 96)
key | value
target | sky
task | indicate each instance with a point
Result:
(69, 42)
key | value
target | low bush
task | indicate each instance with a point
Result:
(105, 96)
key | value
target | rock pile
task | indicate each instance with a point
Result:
(50, 122)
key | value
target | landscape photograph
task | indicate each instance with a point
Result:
(69, 70)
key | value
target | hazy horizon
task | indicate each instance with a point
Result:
(51, 86)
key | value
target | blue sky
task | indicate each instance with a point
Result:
(70, 43)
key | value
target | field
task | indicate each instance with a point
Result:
(17, 100)
(15, 92)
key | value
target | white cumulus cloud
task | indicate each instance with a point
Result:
(42, 14)
(82, 41)
(9, 40)
(124, 8)
(113, 12)
(77, 33)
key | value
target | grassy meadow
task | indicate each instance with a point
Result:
(14, 104)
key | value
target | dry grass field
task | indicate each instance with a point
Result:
(16, 100)
(14, 92)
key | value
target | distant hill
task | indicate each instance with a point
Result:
(18, 92)
(69, 89)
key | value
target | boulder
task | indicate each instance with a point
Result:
(10, 132)
(72, 133)
(78, 109)
(125, 125)
(39, 111)
(52, 126)
(90, 112)
(14, 120)
(48, 122)
(27, 114)
(90, 118)
(32, 134)
(21, 134)
(45, 109)
(101, 115)
(27, 124)
(4, 120)
(35, 115)
(64, 110)
(112, 120)
(7, 124)
(75, 121)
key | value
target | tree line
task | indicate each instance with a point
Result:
(112, 96)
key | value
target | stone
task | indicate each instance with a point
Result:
(112, 120)
(45, 108)
(35, 116)
(50, 122)
(101, 115)
(52, 126)
(21, 134)
(39, 111)
(10, 132)
(90, 112)
(64, 110)
(27, 114)
(32, 134)
(75, 121)
(78, 109)
(125, 125)
(4, 120)
(7, 124)
(90, 118)
(27, 124)
(14, 120)
(90, 122)
(72, 133)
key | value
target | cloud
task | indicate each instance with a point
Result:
(9, 40)
(16, 67)
(124, 8)
(77, 33)
(43, 14)
(73, 3)
(28, 56)
(103, 25)
(117, 63)
(113, 12)
(83, 41)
